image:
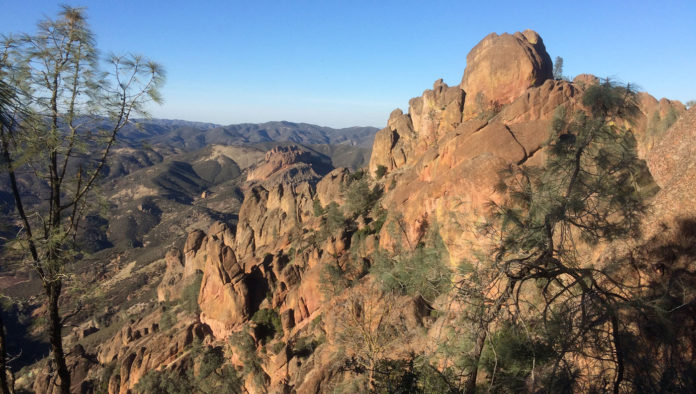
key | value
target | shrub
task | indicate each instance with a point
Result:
(244, 344)
(423, 271)
(360, 199)
(380, 172)
(317, 209)
(334, 218)
(211, 376)
(305, 346)
(268, 322)
(277, 347)
(189, 297)
(168, 318)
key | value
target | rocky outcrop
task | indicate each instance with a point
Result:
(290, 164)
(330, 188)
(144, 344)
(407, 136)
(169, 288)
(658, 116)
(672, 165)
(442, 162)
(500, 68)
(225, 297)
(442, 165)
(270, 214)
(81, 366)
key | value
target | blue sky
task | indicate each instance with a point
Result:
(345, 63)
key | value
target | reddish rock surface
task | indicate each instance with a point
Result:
(502, 67)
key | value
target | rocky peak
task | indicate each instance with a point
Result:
(291, 162)
(502, 67)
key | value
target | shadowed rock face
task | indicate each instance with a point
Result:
(502, 67)
(672, 165)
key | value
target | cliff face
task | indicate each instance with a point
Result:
(442, 158)
(672, 165)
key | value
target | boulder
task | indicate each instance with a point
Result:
(500, 68)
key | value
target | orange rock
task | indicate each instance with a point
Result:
(500, 68)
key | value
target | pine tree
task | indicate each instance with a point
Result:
(60, 133)
(589, 191)
(558, 68)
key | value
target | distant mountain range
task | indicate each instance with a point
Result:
(195, 135)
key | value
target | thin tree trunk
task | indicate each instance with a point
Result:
(619, 353)
(55, 332)
(470, 385)
(3, 360)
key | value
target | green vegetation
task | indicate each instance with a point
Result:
(360, 199)
(59, 87)
(304, 346)
(380, 172)
(334, 220)
(189, 296)
(187, 303)
(277, 347)
(317, 209)
(413, 375)
(658, 125)
(585, 194)
(269, 324)
(243, 345)
(422, 271)
(558, 68)
(206, 373)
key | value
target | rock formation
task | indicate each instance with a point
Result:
(501, 68)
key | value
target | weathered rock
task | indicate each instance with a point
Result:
(80, 364)
(672, 165)
(430, 116)
(224, 295)
(269, 216)
(500, 68)
(169, 288)
(436, 112)
(330, 187)
(290, 163)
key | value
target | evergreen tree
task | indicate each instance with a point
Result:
(60, 134)
(587, 192)
(558, 68)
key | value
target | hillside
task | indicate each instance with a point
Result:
(231, 262)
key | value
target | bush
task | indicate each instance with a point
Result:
(423, 271)
(269, 323)
(380, 172)
(409, 376)
(317, 209)
(336, 278)
(212, 376)
(189, 297)
(244, 344)
(278, 347)
(168, 318)
(360, 199)
(334, 218)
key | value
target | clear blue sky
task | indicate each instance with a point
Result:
(344, 63)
